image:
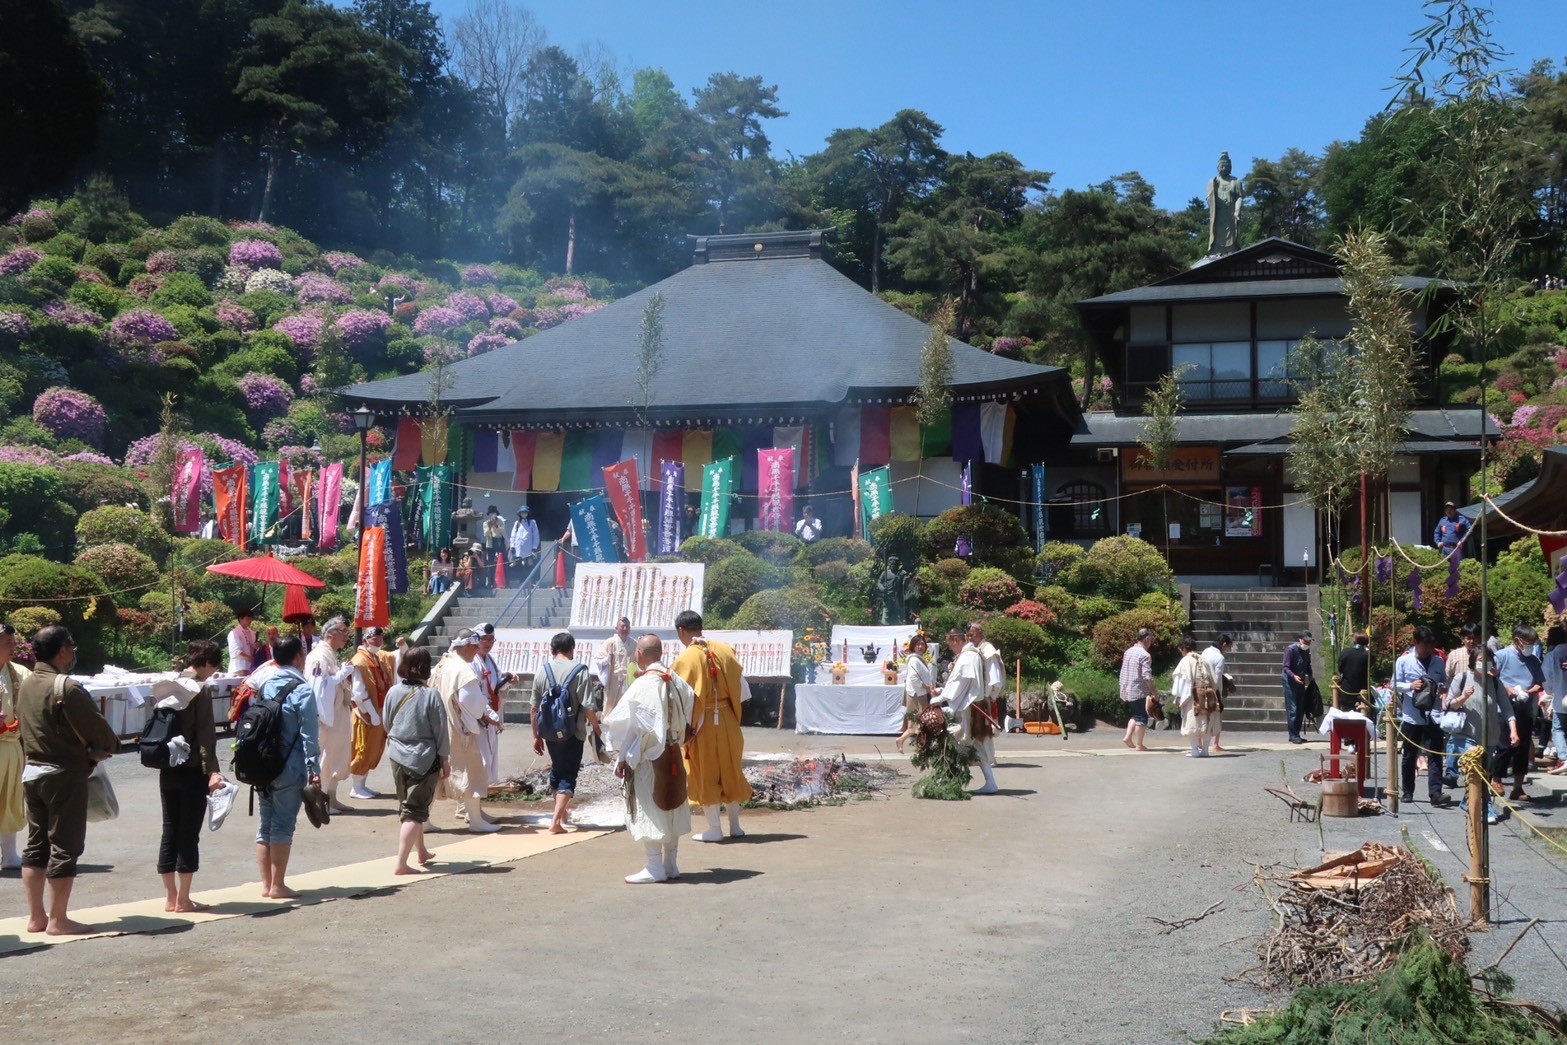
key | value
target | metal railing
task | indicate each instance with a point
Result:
(526, 589)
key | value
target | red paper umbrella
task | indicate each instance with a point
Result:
(268, 570)
(296, 604)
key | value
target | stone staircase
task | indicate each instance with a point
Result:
(1261, 622)
(548, 608)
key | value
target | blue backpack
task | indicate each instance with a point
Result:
(556, 721)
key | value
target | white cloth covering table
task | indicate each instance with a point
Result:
(848, 710)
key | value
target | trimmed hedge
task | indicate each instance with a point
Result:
(115, 524)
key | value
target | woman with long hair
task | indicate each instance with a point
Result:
(919, 685)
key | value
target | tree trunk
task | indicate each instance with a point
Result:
(876, 258)
(266, 193)
(571, 240)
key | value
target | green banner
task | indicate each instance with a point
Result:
(264, 502)
(435, 502)
(875, 496)
(717, 482)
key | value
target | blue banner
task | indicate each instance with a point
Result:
(967, 496)
(265, 501)
(389, 516)
(1041, 510)
(590, 526)
(380, 482)
(671, 507)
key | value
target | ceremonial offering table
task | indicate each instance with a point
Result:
(848, 710)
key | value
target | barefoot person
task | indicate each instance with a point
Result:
(13, 812)
(279, 804)
(1136, 683)
(63, 738)
(184, 787)
(714, 752)
(565, 744)
(417, 742)
(647, 729)
(462, 697)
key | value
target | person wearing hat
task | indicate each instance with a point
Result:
(1297, 678)
(494, 529)
(522, 545)
(374, 676)
(242, 644)
(462, 694)
(494, 680)
(331, 681)
(1451, 529)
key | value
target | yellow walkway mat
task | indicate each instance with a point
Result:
(331, 883)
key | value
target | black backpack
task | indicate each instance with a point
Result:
(259, 753)
(556, 722)
(154, 743)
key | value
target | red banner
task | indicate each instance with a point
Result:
(185, 494)
(330, 500)
(775, 483)
(624, 496)
(410, 440)
(285, 490)
(230, 490)
(371, 609)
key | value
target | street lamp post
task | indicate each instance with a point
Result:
(363, 419)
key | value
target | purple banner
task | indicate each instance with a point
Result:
(671, 505)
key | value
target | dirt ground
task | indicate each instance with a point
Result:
(1021, 917)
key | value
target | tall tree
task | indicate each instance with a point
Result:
(1284, 197)
(495, 41)
(734, 156)
(53, 101)
(876, 174)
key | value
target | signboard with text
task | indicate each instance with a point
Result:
(1188, 464)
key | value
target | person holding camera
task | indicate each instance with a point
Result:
(1420, 678)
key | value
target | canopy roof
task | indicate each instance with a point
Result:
(760, 326)
(1539, 504)
(1267, 432)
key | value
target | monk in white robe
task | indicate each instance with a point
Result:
(462, 694)
(714, 753)
(646, 729)
(331, 681)
(964, 695)
(613, 661)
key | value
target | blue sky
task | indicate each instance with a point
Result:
(1083, 89)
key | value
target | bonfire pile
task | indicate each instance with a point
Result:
(1347, 919)
(799, 782)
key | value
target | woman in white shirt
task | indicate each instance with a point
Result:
(919, 685)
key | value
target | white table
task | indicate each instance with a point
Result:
(848, 710)
(128, 720)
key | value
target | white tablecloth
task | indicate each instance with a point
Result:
(848, 710)
(128, 718)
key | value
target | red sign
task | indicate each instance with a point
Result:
(371, 609)
(230, 488)
(775, 469)
(186, 494)
(625, 497)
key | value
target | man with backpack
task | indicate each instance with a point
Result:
(276, 751)
(565, 705)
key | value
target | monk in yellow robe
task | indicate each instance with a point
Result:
(716, 742)
(374, 676)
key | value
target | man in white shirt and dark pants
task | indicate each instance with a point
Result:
(1214, 656)
(242, 644)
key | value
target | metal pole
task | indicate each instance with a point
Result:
(1479, 824)
(364, 504)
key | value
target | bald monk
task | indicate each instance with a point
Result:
(716, 743)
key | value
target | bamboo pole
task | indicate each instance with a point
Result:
(1020, 689)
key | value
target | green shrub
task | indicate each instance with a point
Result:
(779, 549)
(989, 589)
(57, 270)
(65, 245)
(897, 536)
(1057, 561)
(76, 594)
(709, 550)
(1518, 592)
(106, 301)
(122, 568)
(997, 535)
(116, 524)
(1114, 634)
(1121, 568)
(269, 306)
(797, 607)
(1098, 692)
(936, 621)
(89, 485)
(105, 257)
(1018, 638)
(1067, 608)
(196, 230)
(182, 288)
(32, 500)
(837, 549)
(731, 581)
(30, 620)
(263, 355)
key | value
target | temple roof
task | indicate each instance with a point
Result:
(759, 325)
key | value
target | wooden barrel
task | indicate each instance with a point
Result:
(1341, 798)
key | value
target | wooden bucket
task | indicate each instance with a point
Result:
(1341, 798)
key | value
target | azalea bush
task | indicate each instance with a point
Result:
(70, 414)
(265, 395)
(122, 568)
(116, 524)
(255, 254)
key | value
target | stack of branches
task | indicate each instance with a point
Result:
(1349, 919)
(796, 783)
(946, 761)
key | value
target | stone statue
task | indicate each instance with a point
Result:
(898, 593)
(1224, 209)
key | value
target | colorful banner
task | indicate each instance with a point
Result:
(671, 507)
(405, 451)
(905, 436)
(875, 496)
(696, 450)
(371, 609)
(717, 482)
(590, 526)
(433, 446)
(486, 452)
(229, 489)
(625, 495)
(875, 435)
(264, 502)
(524, 447)
(576, 463)
(1041, 510)
(285, 490)
(776, 487)
(388, 515)
(547, 454)
(305, 486)
(329, 500)
(380, 482)
(185, 493)
(435, 496)
(966, 498)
